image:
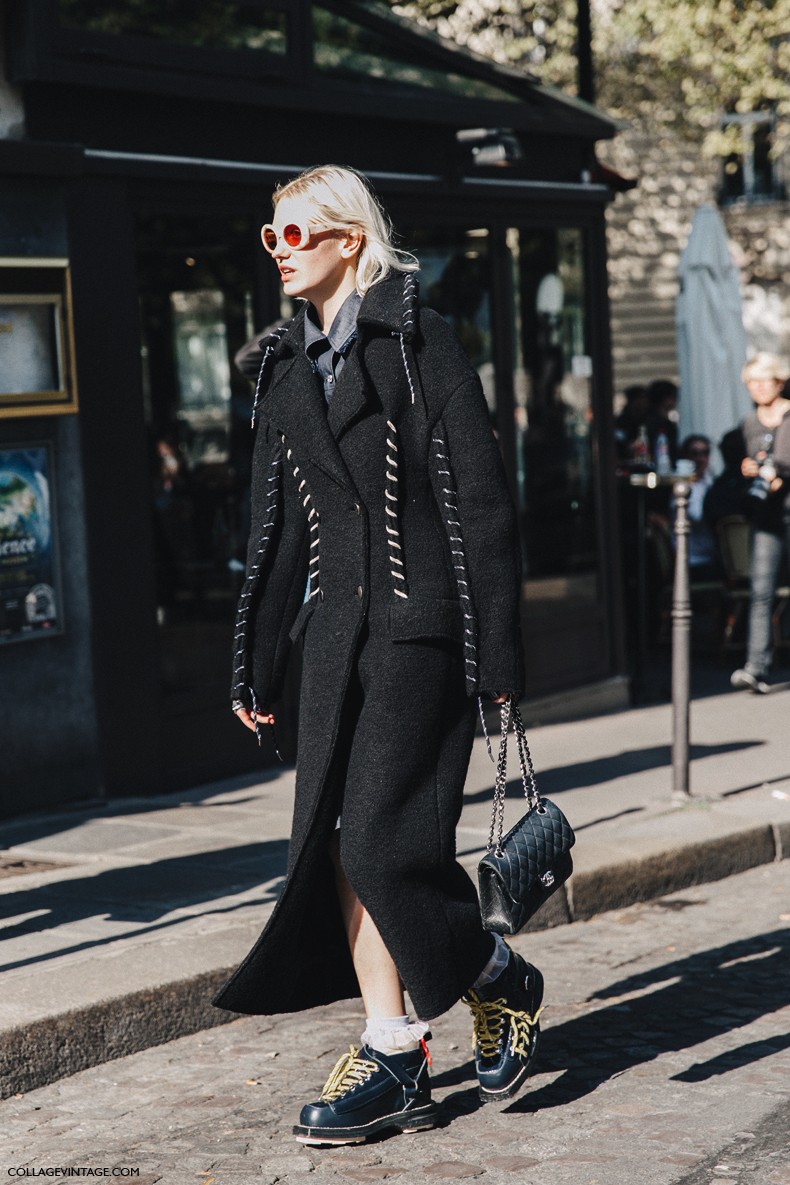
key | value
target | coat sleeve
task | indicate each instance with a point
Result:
(277, 560)
(490, 535)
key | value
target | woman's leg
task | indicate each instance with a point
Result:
(379, 981)
(374, 1088)
(766, 553)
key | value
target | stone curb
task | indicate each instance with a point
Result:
(37, 1054)
(61, 1045)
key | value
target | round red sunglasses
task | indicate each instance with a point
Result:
(294, 235)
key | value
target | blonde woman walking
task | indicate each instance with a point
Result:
(384, 537)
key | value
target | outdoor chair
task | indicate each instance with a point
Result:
(734, 547)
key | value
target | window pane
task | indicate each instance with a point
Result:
(196, 277)
(346, 49)
(763, 165)
(553, 392)
(749, 175)
(200, 344)
(455, 280)
(212, 23)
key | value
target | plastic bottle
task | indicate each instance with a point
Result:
(663, 461)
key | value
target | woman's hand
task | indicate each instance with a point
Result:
(247, 719)
(500, 699)
(750, 467)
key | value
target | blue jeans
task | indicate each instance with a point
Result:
(767, 548)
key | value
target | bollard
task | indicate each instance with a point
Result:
(681, 645)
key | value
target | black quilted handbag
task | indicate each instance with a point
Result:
(521, 871)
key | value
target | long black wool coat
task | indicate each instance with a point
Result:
(389, 512)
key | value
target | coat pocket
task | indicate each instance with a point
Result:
(302, 617)
(412, 621)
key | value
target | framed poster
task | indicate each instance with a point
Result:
(36, 338)
(30, 598)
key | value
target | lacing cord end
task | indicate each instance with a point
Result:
(485, 727)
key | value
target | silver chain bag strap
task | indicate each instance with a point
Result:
(522, 869)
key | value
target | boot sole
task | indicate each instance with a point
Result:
(421, 1119)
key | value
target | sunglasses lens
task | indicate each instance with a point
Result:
(269, 238)
(293, 235)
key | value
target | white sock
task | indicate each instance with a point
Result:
(495, 965)
(393, 1034)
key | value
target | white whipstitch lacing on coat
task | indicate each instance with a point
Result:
(411, 288)
(272, 340)
(406, 367)
(452, 521)
(410, 291)
(242, 683)
(313, 520)
(392, 519)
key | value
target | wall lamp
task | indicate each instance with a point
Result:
(497, 147)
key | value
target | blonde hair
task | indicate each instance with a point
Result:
(342, 198)
(765, 366)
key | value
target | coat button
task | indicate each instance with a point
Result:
(358, 593)
(357, 507)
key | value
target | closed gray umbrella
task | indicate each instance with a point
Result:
(710, 335)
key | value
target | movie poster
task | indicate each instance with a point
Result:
(29, 590)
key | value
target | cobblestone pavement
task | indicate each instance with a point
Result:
(665, 1061)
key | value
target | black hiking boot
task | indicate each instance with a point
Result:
(367, 1093)
(506, 1028)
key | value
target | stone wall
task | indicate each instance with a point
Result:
(760, 242)
(647, 228)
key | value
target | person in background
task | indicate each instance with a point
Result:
(727, 495)
(703, 555)
(766, 465)
(662, 416)
(632, 416)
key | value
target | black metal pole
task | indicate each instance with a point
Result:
(681, 646)
(585, 76)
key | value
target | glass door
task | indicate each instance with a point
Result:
(196, 278)
(517, 297)
(553, 415)
(455, 280)
(564, 613)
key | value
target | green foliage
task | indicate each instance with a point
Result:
(538, 35)
(664, 64)
(684, 63)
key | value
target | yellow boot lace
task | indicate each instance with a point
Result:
(349, 1071)
(488, 1021)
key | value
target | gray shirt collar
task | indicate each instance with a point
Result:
(342, 330)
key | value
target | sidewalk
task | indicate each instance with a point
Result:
(122, 920)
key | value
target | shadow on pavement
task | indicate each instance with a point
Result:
(144, 893)
(712, 993)
(29, 828)
(607, 769)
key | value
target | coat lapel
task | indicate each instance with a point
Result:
(294, 404)
(348, 401)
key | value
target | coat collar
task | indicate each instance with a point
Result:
(392, 305)
(295, 406)
(294, 402)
